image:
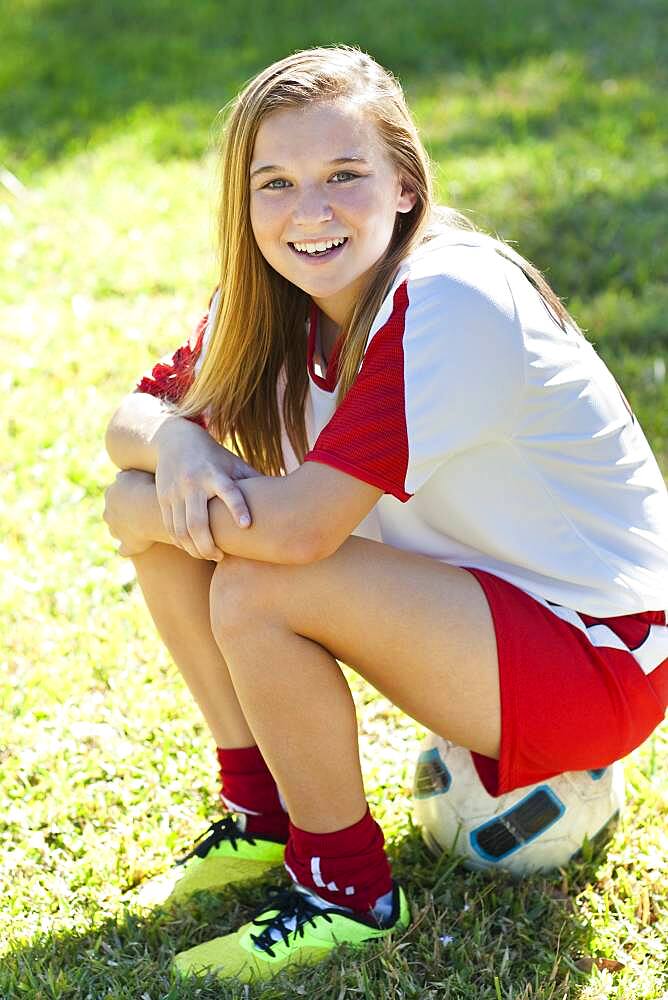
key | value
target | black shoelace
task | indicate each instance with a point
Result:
(220, 830)
(289, 904)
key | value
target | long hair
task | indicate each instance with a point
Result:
(259, 328)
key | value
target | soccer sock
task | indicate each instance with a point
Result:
(348, 867)
(248, 788)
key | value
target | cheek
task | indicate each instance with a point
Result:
(359, 202)
(264, 220)
(370, 209)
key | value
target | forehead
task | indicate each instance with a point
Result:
(321, 131)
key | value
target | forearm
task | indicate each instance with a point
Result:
(274, 535)
(279, 533)
(296, 519)
(134, 431)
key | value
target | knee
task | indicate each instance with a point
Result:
(235, 596)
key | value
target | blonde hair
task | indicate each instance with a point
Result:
(259, 328)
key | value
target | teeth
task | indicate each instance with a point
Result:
(319, 247)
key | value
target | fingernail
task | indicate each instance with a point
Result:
(244, 521)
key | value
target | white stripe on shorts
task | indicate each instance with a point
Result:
(650, 655)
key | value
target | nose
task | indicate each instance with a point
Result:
(312, 207)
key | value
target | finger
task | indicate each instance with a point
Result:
(235, 502)
(199, 529)
(181, 534)
(242, 470)
(167, 519)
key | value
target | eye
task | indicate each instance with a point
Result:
(277, 184)
(345, 174)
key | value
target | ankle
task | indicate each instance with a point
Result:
(348, 867)
(249, 790)
(269, 826)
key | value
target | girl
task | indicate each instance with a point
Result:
(441, 485)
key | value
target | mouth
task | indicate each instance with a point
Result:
(317, 251)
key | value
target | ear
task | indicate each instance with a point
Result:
(407, 199)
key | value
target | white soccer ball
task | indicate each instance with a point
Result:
(531, 829)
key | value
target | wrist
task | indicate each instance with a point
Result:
(150, 523)
(173, 429)
(139, 501)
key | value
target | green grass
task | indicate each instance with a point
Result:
(545, 124)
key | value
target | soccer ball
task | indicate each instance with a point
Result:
(530, 829)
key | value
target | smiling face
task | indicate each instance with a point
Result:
(324, 196)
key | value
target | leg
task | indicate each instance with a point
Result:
(422, 633)
(176, 591)
(176, 588)
(419, 630)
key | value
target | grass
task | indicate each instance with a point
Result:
(545, 124)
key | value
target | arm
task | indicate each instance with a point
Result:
(297, 519)
(133, 434)
(189, 467)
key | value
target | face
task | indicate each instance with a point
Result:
(324, 196)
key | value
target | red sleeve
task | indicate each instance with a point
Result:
(367, 436)
(171, 379)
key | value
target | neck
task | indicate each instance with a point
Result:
(329, 334)
(332, 317)
(338, 307)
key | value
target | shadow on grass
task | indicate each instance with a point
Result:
(467, 929)
(75, 72)
(597, 241)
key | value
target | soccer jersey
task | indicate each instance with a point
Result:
(500, 441)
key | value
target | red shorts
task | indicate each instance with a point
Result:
(577, 692)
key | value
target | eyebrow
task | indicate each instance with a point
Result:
(272, 167)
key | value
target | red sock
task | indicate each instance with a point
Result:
(248, 787)
(348, 867)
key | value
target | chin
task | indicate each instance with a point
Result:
(319, 290)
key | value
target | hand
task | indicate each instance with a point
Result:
(192, 468)
(122, 513)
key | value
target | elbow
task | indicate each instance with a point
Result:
(303, 554)
(307, 538)
(111, 443)
(115, 439)
(124, 432)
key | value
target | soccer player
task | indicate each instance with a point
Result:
(388, 444)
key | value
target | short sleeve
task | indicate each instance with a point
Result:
(440, 376)
(173, 375)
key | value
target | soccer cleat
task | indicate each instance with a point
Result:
(222, 855)
(291, 929)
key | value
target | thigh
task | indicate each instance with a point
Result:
(417, 629)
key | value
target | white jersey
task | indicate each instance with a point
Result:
(500, 441)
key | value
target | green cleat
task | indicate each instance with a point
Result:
(291, 930)
(223, 854)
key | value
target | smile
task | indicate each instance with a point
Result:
(319, 249)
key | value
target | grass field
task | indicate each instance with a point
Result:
(546, 123)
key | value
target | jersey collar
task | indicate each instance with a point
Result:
(328, 383)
